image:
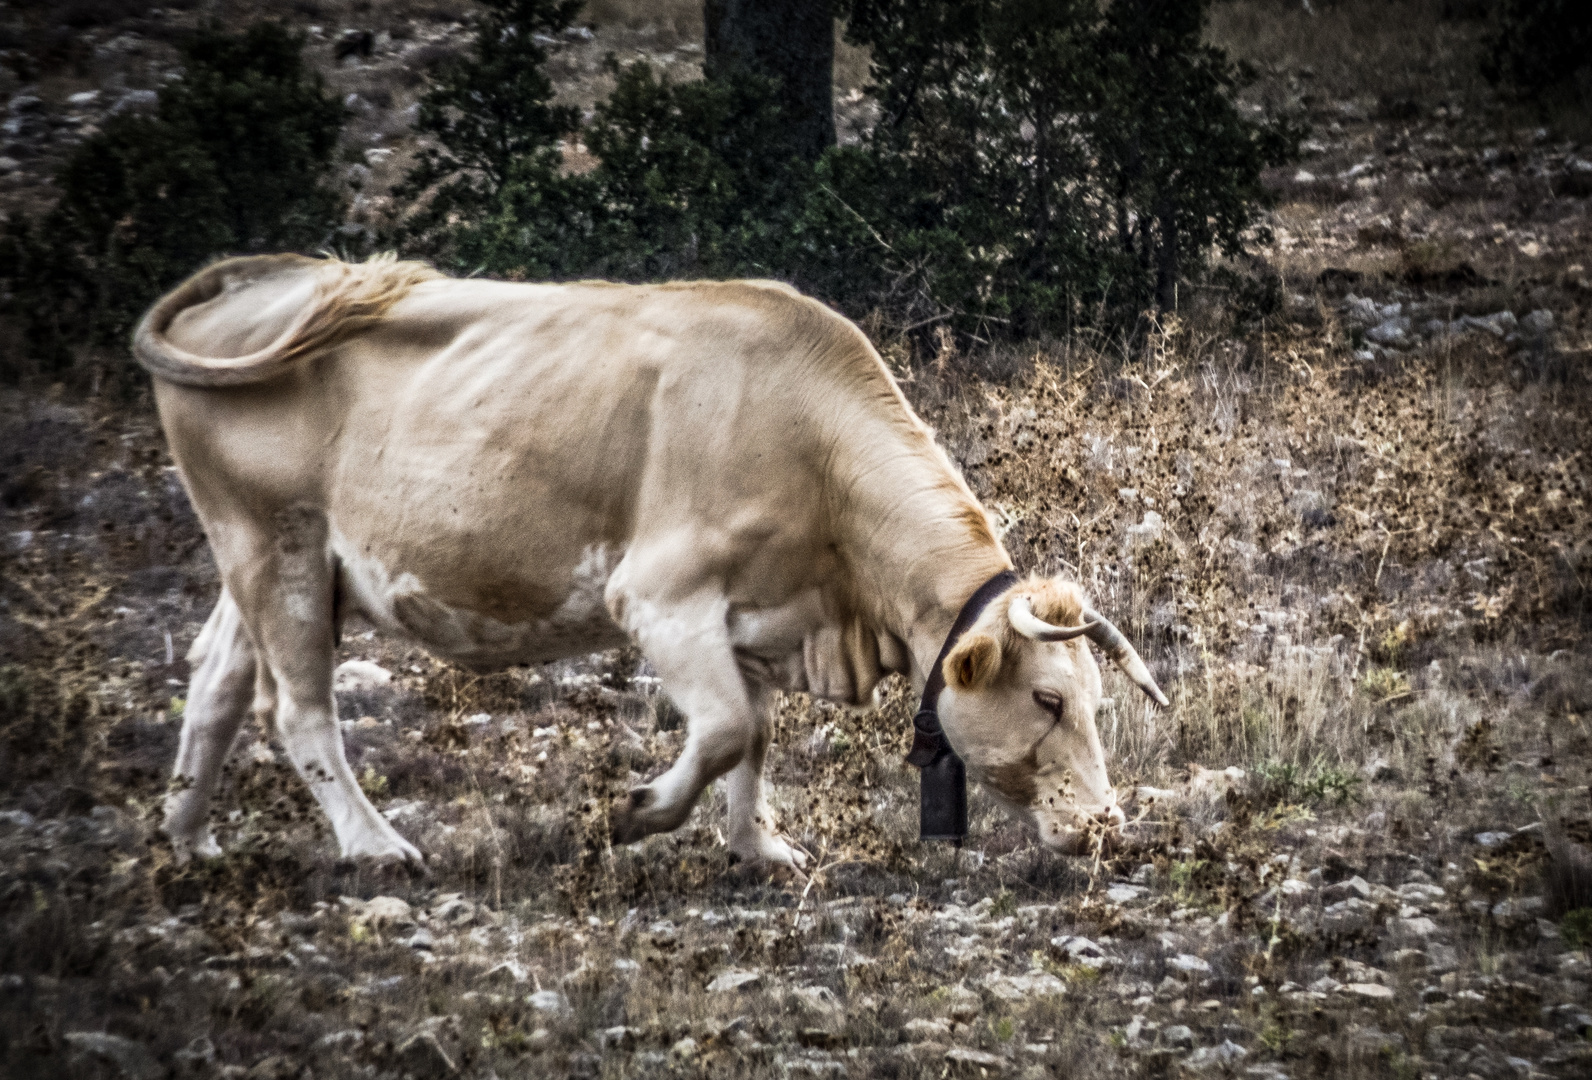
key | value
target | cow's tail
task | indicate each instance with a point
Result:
(349, 297)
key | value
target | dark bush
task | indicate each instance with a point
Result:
(234, 159)
(1542, 48)
(1036, 165)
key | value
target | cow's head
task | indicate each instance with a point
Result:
(1021, 690)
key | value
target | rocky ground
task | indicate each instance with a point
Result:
(1347, 524)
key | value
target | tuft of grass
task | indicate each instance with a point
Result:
(1385, 684)
(373, 783)
(1576, 928)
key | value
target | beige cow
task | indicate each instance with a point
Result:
(508, 473)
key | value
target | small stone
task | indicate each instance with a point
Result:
(423, 1056)
(1023, 987)
(1178, 1037)
(1392, 332)
(280, 1067)
(136, 101)
(963, 1005)
(819, 999)
(385, 911)
(1492, 839)
(357, 675)
(1144, 875)
(130, 1059)
(684, 1048)
(1121, 893)
(975, 1059)
(197, 1055)
(1524, 909)
(454, 911)
(1373, 991)
(548, 1001)
(1189, 964)
(922, 1030)
(1415, 929)
(1226, 1055)
(735, 980)
(618, 1038)
(1355, 886)
(508, 972)
(1347, 916)
(1538, 324)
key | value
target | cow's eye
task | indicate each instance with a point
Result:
(1051, 702)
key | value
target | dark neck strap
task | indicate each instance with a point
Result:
(928, 740)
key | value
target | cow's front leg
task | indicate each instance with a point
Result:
(685, 634)
(754, 835)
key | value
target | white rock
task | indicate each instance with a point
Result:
(921, 1030)
(1373, 991)
(548, 1001)
(382, 911)
(1225, 1055)
(509, 971)
(1414, 929)
(735, 980)
(1394, 331)
(131, 1059)
(1022, 987)
(1189, 964)
(1492, 839)
(980, 1059)
(352, 675)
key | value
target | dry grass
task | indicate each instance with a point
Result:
(1366, 586)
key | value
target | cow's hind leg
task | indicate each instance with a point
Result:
(290, 590)
(687, 639)
(218, 700)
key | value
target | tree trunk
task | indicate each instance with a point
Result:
(789, 40)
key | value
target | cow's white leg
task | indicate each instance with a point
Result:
(218, 700)
(754, 836)
(291, 600)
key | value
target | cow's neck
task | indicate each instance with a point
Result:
(919, 558)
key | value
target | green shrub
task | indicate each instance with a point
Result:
(1053, 160)
(1576, 928)
(234, 159)
(489, 195)
(1037, 165)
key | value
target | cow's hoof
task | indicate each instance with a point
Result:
(625, 823)
(385, 851)
(203, 846)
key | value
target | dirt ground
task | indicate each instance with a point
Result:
(1347, 525)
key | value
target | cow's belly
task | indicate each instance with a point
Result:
(568, 617)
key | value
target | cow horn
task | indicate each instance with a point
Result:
(1114, 645)
(1026, 623)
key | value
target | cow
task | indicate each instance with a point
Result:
(724, 473)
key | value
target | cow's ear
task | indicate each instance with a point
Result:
(973, 663)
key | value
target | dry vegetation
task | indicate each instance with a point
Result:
(1355, 551)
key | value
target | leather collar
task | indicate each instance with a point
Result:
(929, 744)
